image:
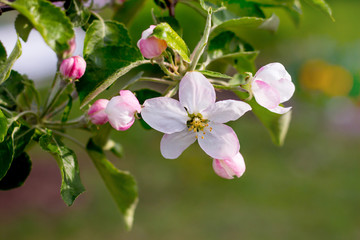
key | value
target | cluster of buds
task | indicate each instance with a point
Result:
(120, 111)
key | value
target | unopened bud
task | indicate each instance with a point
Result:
(73, 67)
(70, 51)
(228, 168)
(150, 46)
(97, 112)
(121, 110)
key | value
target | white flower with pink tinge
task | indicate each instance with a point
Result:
(230, 167)
(121, 110)
(272, 86)
(195, 117)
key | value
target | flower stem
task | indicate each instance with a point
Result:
(53, 101)
(199, 50)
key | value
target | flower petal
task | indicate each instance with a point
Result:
(172, 145)
(280, 110)
(120, 114)
(130, 99)
(265, 95)
(164, 114)
(196, 93)
(227, 110)
(219, 141)
(228, 168)
(277, 77)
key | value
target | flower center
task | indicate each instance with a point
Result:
(197, 124)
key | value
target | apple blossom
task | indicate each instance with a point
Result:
(121, 110)
(150, 46)
(73, 67)
(230, 167)
(271, 86)
(195, 117)
(97, 112)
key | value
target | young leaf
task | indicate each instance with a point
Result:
(43, 15)
(323, 6)
(174, 41)
(17, 173)
(6, 66)
(23, 27)
(71, 186)
(120, 184)
(3, 126)
(108, 33)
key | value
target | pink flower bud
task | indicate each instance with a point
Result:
(151, 47)
(73, 67)
(228, 168)
(97, 112)
(121, 110)
(70, 51)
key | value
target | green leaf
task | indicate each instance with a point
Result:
(2, 53)
(239, 24)
(120, 184)
(71, 186)
(7, 150)
(78, 13)
(215, 74)
(323, 6)
(276, 124)
(17, 173)
(108, 33)
(128, 11)
(6, 66)
(3, 126)
(174, 41)
(49, 20)
(172, 22)
(104, 67)
(115, 147)
(109, 55)
(227, 49)
(10, 90)
(23, 27)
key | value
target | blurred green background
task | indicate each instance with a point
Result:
(307, 189)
